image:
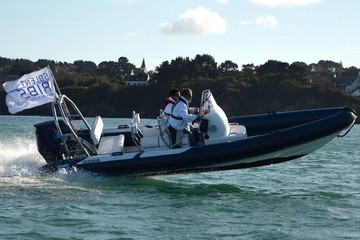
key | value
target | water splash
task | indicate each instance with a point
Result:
(19, 157)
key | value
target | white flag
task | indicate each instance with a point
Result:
(29, 91)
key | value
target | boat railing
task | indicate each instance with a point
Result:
(136, 133)
(164, 130)
(61, 105)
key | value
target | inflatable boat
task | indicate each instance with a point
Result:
(70, 142)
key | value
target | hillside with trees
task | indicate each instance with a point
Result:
(269, 87)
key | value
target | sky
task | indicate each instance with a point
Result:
(242, 31)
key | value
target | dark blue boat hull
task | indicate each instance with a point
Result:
(267, 134)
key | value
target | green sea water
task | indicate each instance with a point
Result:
(314, 197)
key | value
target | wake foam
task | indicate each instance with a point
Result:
(20, 163)
(19, 157)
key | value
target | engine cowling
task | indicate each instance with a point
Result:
(49, 142)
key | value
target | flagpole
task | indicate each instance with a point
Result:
(57, 89)
(63, 104)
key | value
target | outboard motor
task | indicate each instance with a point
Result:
(49, 142)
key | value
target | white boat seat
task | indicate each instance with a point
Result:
(159, 136)
(162, 141)
(182, 139)
(150, 132)
(96, 130)
(111, 145)
(237, 130)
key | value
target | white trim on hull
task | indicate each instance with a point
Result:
(128, 156)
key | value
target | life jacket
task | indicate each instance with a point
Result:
(180, 100)
(167, 101)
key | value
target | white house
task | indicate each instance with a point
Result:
(354, 88)
(138, 76)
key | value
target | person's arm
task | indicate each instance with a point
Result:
(183, 112)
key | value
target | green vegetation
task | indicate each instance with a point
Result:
(272, 86)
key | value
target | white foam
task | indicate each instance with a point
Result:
(19, 156)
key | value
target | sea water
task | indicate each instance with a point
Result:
(314, 197)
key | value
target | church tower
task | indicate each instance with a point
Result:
(143, 67)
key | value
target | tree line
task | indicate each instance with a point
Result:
(272, 86)
(183, 71)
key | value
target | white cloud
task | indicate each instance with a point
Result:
(284, 3)
(196, 21)
(246, 22)
(266, 21)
